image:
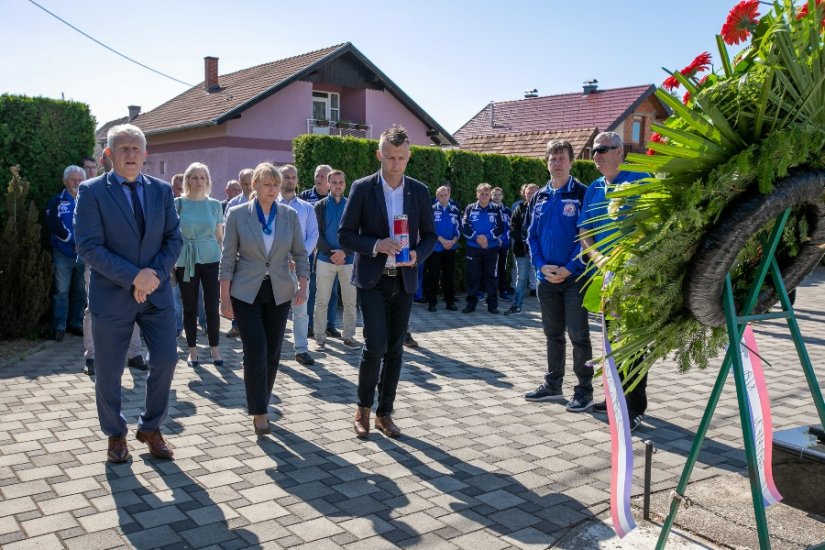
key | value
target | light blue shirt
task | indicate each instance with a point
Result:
(128, 191)
(306, 215)
(240, 199)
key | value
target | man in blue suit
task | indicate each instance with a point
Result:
(385, 286)
(126, 229)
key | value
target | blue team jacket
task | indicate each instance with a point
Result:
(447, 224)
(487, 221)
(553, 233)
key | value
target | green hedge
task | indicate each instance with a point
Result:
(432, 165)
(43, 136)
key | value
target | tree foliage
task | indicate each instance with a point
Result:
(43, 136)
(25, 267)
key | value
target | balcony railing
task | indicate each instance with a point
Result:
(330, 128)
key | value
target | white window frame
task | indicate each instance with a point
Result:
(333, 114)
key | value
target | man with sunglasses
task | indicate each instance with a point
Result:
(608, 154)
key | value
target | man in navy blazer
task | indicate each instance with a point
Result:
(126, 229)
(385, 287)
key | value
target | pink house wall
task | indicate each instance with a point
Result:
(383, 110)
(264, 132)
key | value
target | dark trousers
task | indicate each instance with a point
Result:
(261, 326)
(561, 308)
(386, 311)
(440, 266)
(112, 332)
(503, 284)
(637, 397)
(206, 277)
(481, 273)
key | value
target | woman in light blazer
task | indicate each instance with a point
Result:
(257, 287)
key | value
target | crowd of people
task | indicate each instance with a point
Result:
(135, 255)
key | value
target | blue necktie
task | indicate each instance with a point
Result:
(141, 221)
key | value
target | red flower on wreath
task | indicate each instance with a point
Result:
(657, 138)
(741, 22)
(804, 11)
(699, 64)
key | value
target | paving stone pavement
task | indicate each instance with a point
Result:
(477, 466)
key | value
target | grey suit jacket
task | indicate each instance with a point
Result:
(245, 262)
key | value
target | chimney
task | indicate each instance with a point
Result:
(492, 114)
(134, 111)
(528, 94)
(210, 78)
(589, 86)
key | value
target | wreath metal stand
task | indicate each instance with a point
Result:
(736, 326)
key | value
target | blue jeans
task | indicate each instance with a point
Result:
(523, 270)
(69, 298)
(561, 307)
(333, 298)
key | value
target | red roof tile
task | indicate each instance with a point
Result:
(528, 144)
(196, 107)
(602, 109)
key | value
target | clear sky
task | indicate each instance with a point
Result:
(450, 56)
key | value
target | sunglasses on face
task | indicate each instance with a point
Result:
(602, 149)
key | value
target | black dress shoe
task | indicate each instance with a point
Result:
(493, 310)
(304, 358)
(89, 369)
(409, 341)
(468, 309)
(58, 335)
(333, 333)
(451, 307)
(431, 307)
(138, 362)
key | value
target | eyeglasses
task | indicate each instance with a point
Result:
(602, 149)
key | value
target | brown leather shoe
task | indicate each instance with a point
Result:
(157, 446)
(118, 449)
(385, 425)
(362, 421)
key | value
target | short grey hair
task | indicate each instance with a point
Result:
(121, 130)
(320, 167)
(614, 138)
(72, 169)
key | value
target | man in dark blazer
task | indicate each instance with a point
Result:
(385, 287)
(126, 229)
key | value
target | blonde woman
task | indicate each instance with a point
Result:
(201, 225)
(257, 286)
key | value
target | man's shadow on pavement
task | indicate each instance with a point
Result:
(497, 501)
(185, 517)
(335, 487)
(340, 489)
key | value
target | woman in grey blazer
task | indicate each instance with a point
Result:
(257, 285)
